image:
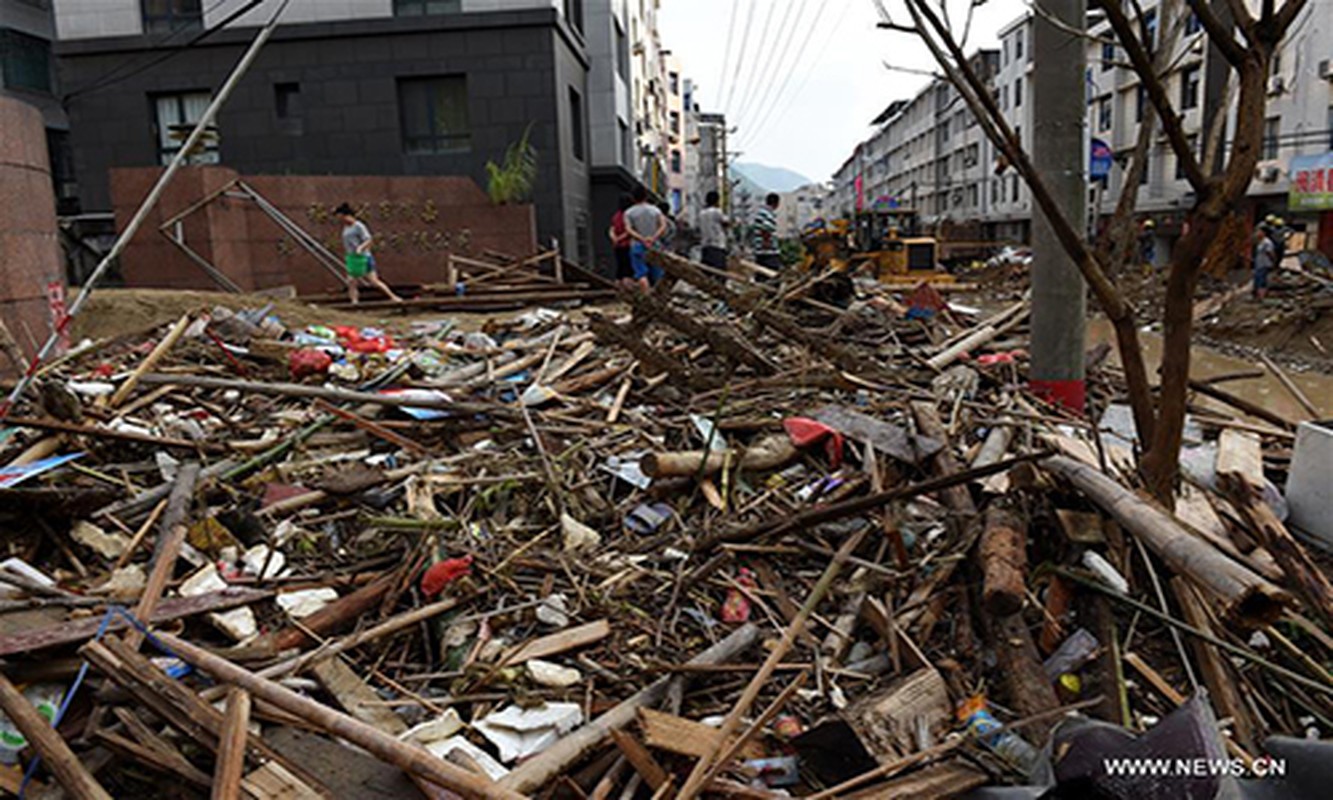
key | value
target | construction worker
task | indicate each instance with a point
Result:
(1148, 246)
(1279, 233)
(357, 240)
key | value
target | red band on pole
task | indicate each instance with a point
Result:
(1072, 395)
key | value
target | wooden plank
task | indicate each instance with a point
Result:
(561, 642)
(159, 352)
(1240, 454)
(231, 747)
(932, 783)
(643, 762)
(682, 736)
(168, 610)
(356, 696)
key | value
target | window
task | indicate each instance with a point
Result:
(1271, 138)
(1193, 140)
(1108, 55)
(1150, 28)
(1189, 88)
(995, 191)
(1104, 114)
(1018, 92)
(25, 61)
(1004, 98)
(576, 142)
(421, 8)
(287, 100)
(434, 115)
(62, 171)
(674, 82)
(676, 201)
(1005, 58)
(574, 14)
(1140, 103)
(1147, 167)
(1193, 25)
(1018, 45)
(165, 16)
(1013, 188)
(972, 195)
(626, 144)
(622, 53)
(675, 122)
(175, 117)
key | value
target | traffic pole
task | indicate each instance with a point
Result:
(1059, 114)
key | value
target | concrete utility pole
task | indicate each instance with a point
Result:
(1059, 296)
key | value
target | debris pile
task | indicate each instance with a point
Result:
(733, 539)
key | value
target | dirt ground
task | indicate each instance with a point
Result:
(118, 312)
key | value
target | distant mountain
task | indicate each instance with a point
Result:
(772, 179)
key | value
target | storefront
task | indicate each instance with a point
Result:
(1311, 199)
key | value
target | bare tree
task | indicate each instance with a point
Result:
(1218, 185)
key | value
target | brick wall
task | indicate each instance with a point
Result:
(29, 250)
(417, 222)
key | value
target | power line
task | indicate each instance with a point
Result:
(726, 54)
(112, 78)
(764, 48)
(777, 51)
(745, 41)
(766, 96)
(791, 99)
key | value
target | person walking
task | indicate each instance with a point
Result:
(620, 241)
(1265, 258)
(764, 234)
(358, 258)
(1148, 246)
(713, 225)
(646, 226)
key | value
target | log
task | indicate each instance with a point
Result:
(231, 748)
(1003, 562)
(977, 338)
(770, 452)
(1247, 598)
(411, 759)
(158, 353)
(993, 449)
(107, 433)
(1243, 405)
(279, 389)
(556, 759)
(169, 539)
(62, 762)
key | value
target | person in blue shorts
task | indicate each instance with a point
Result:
(646, 226)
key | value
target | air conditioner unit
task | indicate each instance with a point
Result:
(1268, 173)
(1276, 86)
(1326, 69)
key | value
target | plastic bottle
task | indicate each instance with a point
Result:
(45, 697)
(975, 715)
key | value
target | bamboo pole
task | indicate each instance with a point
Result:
(69, 771)
(231, 748)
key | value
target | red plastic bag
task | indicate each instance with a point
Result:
(442, 573)
(805, 432)
(308, 362)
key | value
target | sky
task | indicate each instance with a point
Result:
(804, 107)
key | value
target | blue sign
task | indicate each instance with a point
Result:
(1100, 160)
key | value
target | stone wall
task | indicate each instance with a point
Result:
(417, 222)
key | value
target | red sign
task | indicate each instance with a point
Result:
(55, 301)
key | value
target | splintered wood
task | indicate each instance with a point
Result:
(803, 537)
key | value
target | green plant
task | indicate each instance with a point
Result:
(512, 181)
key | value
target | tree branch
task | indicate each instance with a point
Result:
(1219, 35)
(1287, 15)
(1166, 113)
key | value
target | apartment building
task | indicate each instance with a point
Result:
(370, 87)
(28, 73)
(929, 154)
(674, 143)
(800, 207)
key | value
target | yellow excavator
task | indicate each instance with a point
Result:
(882, 241)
